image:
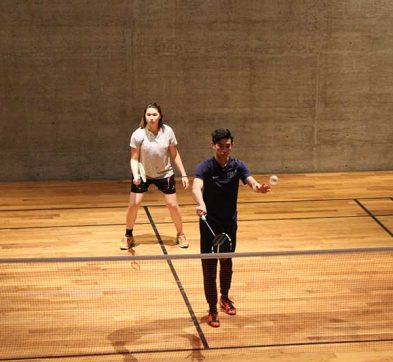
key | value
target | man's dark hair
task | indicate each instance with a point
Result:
(220, 134)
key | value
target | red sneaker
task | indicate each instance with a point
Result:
(213, 319)
(227, 306)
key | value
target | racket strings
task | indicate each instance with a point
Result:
(222, 240)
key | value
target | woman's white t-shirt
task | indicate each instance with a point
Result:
(154, 150)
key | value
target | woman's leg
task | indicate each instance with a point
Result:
(132, 212)
(174, 210)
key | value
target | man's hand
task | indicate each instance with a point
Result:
(201, 210)
(262, 188)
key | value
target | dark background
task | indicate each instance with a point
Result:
(305, 86)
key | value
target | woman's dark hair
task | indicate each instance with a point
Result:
(155, 105)
(220, 134)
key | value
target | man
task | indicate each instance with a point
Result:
(215, 191)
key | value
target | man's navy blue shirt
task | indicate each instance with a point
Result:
(221, 186)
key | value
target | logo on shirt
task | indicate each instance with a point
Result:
(225, 176)
(231, 174)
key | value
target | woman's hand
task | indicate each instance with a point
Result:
(185, 182)
(136, 181)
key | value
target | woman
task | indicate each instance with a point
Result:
(153, 144)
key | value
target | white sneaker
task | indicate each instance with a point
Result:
(127, 242)
(182, 241)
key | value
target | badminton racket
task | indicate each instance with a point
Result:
(142, 172)
(220, 240)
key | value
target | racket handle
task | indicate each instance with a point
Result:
(203, 218)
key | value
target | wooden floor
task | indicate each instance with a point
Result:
(322, 291)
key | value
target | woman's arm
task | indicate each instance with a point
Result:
(179, 164)
(134, 164)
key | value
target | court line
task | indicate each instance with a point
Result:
(177, 350)
(67, 208)
(64, 226)
(374, 217)
(189, 222)
(188, 204)
(178, 282)
(316, 200)
(289, 218)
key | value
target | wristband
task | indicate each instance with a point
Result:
(184, 176)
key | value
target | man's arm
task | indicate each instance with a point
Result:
(179, 164)
(256, 186)
(197, 195)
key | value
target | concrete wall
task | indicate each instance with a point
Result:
(304, 85)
